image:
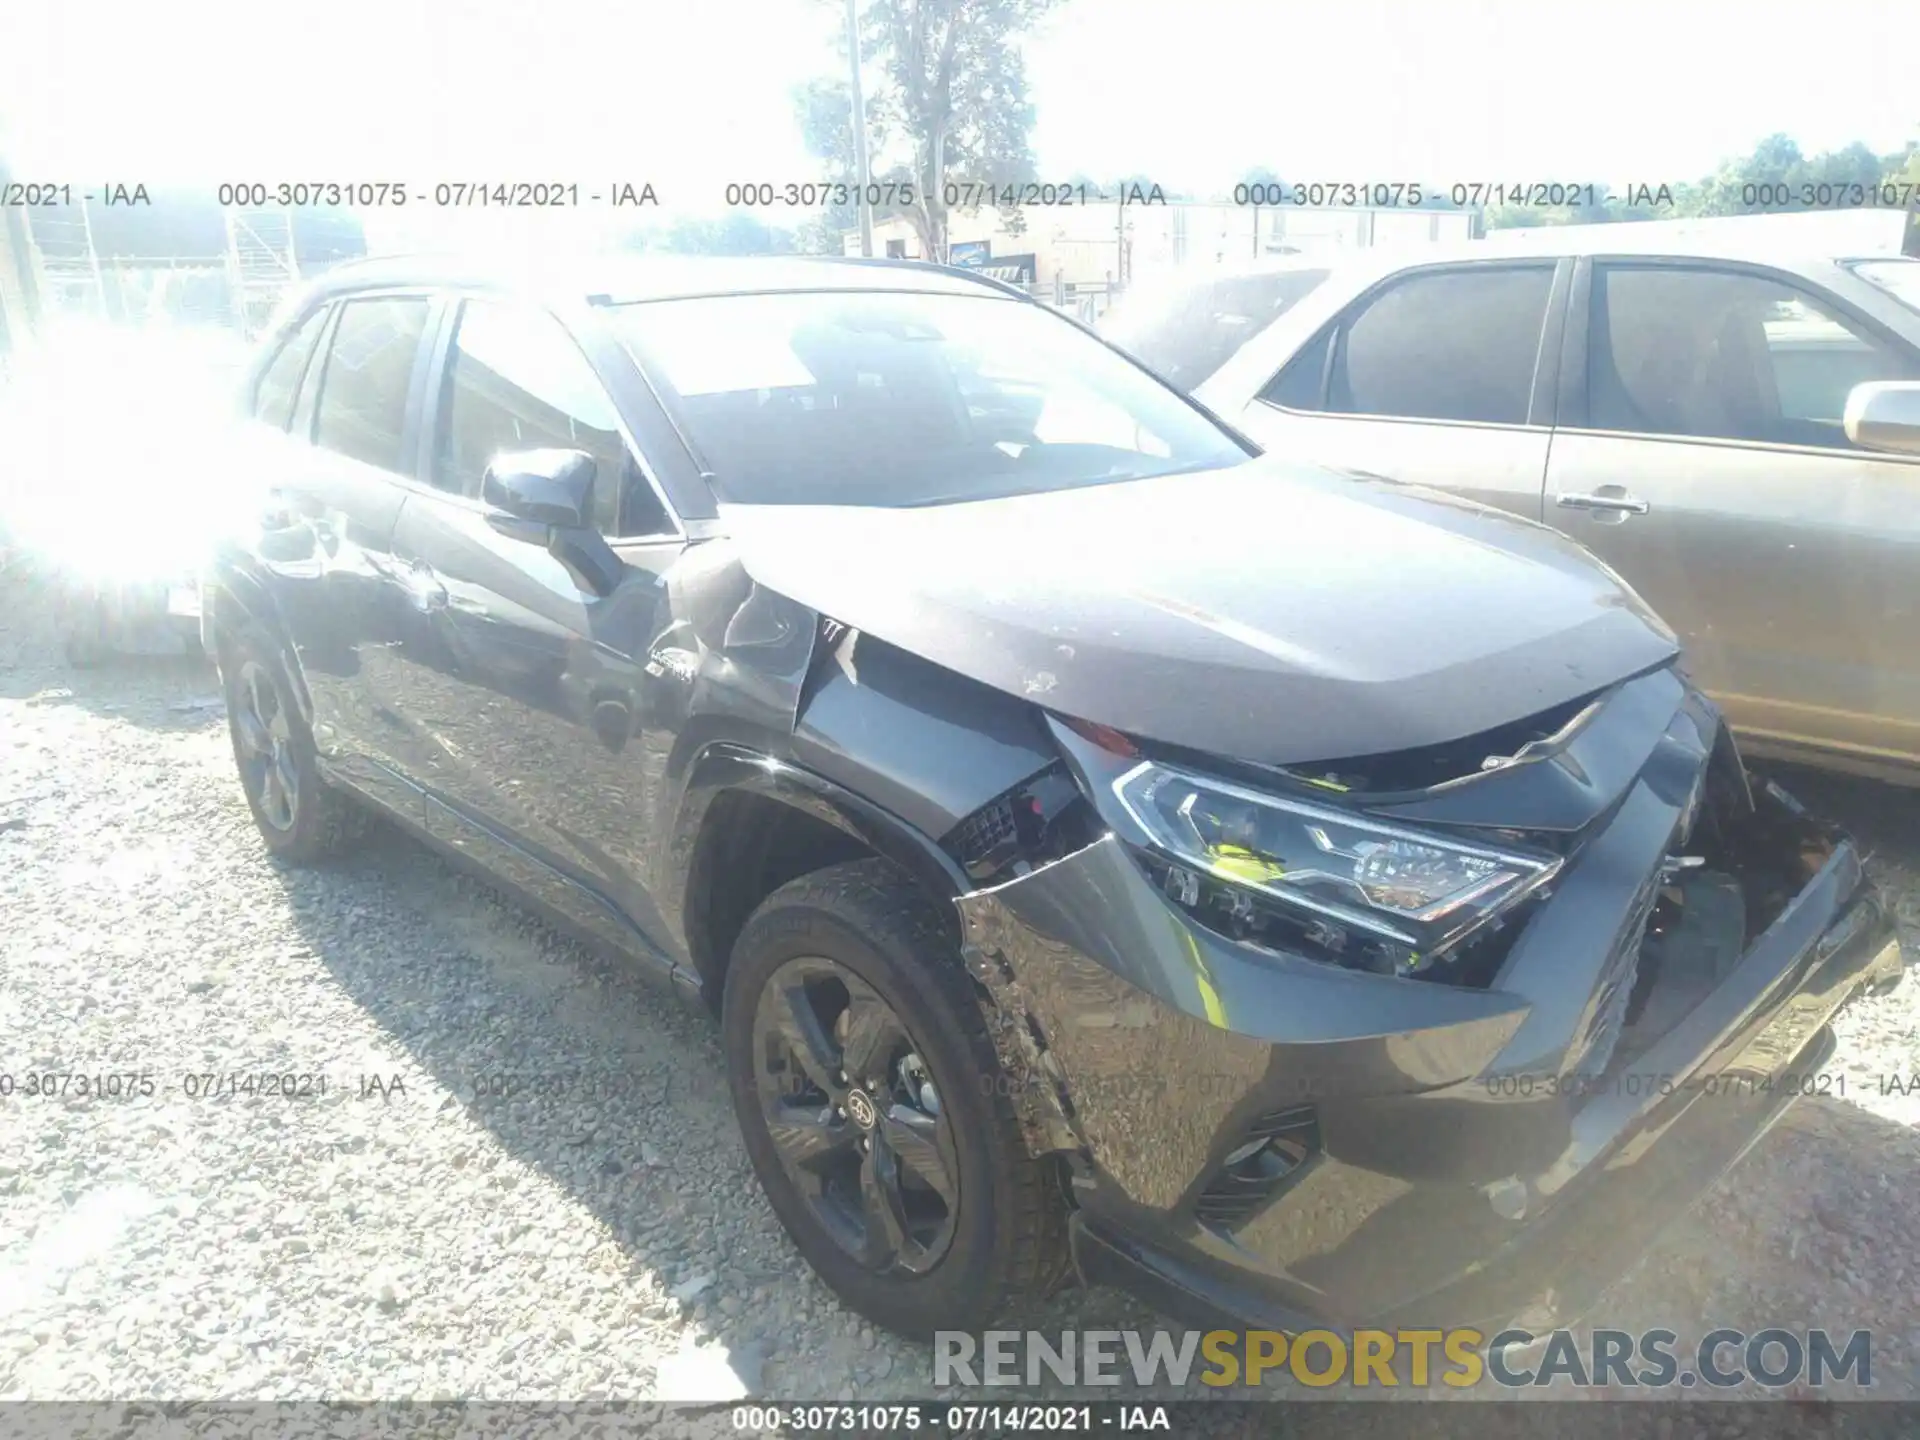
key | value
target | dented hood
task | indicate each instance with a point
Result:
(1267, 612)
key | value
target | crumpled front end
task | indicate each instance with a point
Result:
(1265, 1137)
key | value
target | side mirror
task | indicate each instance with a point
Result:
(549, 487)
(1884, 415)
(545, 498)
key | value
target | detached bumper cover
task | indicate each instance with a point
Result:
(1461, 1169)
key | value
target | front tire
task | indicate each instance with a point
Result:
(302, 818)
(873, 1107)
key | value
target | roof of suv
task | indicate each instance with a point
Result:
(614, 279)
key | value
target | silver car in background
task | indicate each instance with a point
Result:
(1736, 433)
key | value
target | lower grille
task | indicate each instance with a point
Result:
(984, 832)
(1272, 1152)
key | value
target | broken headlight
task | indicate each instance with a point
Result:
(1409, 894)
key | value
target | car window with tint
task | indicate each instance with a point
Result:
(1187, 331)
(363, 390)
(907, 398)
(1443, 345)
(517, 381)
(308, 399)
(280, 381)
(1726, 355)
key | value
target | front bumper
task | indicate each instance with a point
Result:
(1461, 1167)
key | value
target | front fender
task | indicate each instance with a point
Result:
(234, 594)
(730, 768)
(725, 766)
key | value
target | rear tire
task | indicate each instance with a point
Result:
(864, 937)
(302, 818)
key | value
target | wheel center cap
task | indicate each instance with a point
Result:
(861, 1108)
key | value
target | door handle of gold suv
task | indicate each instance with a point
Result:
(1621, 504)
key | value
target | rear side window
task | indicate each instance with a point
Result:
(280, 381)
(1728, 355)
(1302, 385)
(517, 381)
(363, 392)
(1439, 345)
(1187, 334)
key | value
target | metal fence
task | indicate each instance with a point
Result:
(71, 275)
(1086, 302)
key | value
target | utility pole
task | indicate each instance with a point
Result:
(859, 127)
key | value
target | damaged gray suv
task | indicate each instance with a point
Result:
(1109, 851)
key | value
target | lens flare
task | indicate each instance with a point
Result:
(116, 448)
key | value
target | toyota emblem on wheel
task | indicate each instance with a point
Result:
(861, 1109)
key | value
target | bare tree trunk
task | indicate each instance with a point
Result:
(936, 202)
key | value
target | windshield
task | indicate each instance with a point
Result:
(1899, 278)
(1188, 330)
(882, 398)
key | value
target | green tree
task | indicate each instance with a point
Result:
(1768, 180)
(824, 110)
(951, 102)
(1905, 169)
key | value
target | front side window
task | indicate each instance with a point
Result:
(1188, 331)
(280, 381)
(517, 381)
(1437, 345)
(885, 398)
(1726, 355)
(362, 411)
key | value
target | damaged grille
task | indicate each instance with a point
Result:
(1036, 821)
(1272, 1152)
(1615, 987)
(984, 832)
(1430, 765)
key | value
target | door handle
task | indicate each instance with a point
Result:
(1620, 503)
(423, 588)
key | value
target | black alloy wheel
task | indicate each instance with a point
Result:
(855, 1116)
(301, 817)
(874, 1108)
(263, 722)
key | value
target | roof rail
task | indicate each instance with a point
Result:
(878, 262)
(897, 262)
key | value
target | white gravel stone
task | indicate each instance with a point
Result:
(686, 1290)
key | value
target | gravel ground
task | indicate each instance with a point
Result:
(595, 1232)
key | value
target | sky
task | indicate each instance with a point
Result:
(689, 96)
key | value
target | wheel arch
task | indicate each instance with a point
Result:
(751, 821)
(233, 598)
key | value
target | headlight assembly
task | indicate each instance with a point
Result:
(1411, 895)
